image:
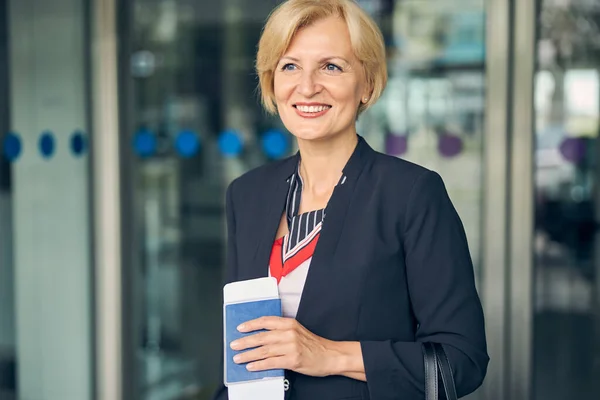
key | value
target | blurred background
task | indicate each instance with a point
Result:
(123, 121)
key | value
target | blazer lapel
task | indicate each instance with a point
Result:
(322, 270)
(270, 216)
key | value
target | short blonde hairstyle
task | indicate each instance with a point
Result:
(292, 15)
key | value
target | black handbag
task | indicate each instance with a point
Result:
(437, 361)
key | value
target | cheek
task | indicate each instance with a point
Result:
(346, 92)
(349, 98)
(282, 88)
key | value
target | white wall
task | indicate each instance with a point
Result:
(50, 201)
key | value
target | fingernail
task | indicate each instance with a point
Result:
(241, 327)
(234, 345)
(237, 358)
(250, 367)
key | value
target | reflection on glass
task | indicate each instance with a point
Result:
(567, 90)
(191, 69)
(8, 356)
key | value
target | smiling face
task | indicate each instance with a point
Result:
(319, 83)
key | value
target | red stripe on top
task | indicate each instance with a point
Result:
(278, 268)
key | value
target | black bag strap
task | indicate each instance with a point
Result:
(431, 381)
(435, 359)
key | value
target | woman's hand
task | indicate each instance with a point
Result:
(288, 345)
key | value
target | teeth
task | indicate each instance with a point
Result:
(312, 109)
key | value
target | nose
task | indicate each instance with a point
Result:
(308, 85)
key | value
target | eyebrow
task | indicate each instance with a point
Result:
(322, 60)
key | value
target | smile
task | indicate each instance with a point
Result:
(311, 110)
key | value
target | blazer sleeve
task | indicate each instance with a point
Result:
(230, 275)
(444, 300)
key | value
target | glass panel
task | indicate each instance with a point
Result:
(195, 123)
(567, 280)
(8, 365)
(46, 337)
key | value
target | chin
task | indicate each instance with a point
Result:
(311, 134)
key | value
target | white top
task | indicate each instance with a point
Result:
(291, 287)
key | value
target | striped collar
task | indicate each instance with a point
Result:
(294, 196)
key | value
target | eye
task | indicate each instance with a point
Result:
(332, 67)
(288, 67)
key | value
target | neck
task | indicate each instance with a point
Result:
(323, 161)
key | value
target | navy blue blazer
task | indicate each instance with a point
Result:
(391, 269)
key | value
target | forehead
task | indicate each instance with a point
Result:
(325, 37)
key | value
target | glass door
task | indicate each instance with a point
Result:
(566, 319)
(7, 297)
(192, 122)
(46, 276)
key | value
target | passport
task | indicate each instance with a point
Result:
(245, 301)
(236, 314)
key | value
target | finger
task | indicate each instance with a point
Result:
(269, 323)
(260, 353)
(269, 363)
(255, 340)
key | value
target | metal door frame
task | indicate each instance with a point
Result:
(494, 285)
(106, 194)
(521, 231)
(507, 286)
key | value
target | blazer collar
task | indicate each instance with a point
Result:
(356, 161)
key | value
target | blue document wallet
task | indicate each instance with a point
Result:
(245, 301)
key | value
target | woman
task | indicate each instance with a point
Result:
(370, 255)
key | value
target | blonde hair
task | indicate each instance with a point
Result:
(292, 15)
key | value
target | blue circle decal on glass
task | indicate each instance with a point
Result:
(230, 143)
(187, 143)
(47, 144)
(275, 143)
(12, 147)
(78, 145)
(144, 143)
